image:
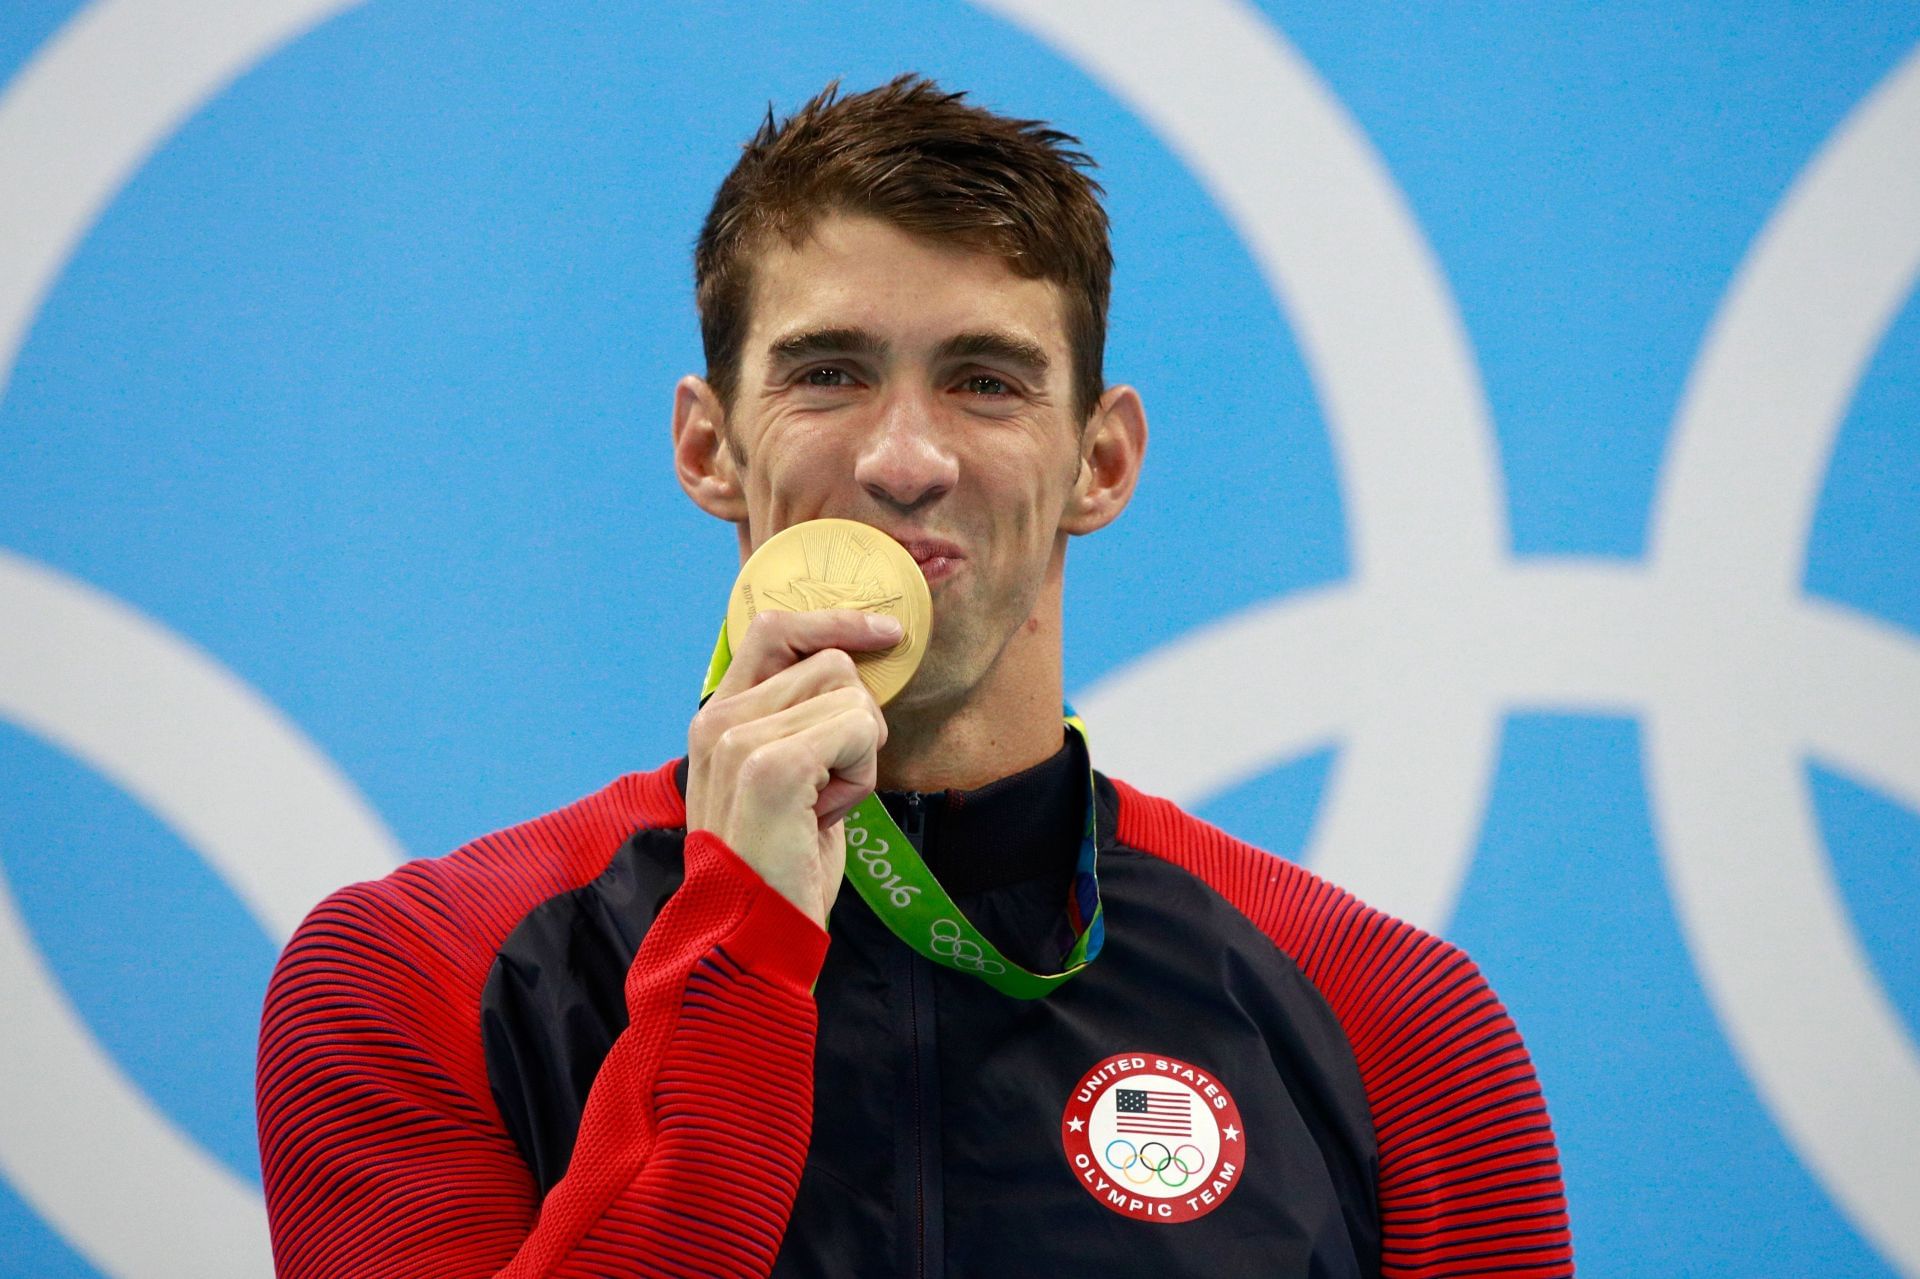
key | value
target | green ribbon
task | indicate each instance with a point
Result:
(891, 877)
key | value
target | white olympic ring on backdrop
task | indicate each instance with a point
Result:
(1412, 664)
(224, 769)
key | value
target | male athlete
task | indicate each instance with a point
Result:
(648, 1034)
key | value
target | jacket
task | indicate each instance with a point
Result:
(594, 1044)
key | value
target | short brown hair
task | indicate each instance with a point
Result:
(930, 164)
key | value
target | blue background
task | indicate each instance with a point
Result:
(362, 385)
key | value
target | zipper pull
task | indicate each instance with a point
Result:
(916, 827)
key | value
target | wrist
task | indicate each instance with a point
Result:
(782, 934)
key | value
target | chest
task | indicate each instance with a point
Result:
(1185, 1106)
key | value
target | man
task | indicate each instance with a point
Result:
(617, 1040)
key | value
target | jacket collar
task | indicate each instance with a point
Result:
(1024, 826)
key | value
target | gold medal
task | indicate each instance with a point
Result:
(839, 564)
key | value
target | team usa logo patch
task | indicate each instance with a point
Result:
(1154, 1138)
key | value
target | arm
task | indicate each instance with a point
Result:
(1469, 1173)
(381, 1148)
(383, 1156)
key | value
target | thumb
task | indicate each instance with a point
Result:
(839, 797)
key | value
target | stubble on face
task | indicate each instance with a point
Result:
(999, 469)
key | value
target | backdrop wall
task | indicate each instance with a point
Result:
(1529, 539)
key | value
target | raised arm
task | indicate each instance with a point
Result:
(382, 1149)
(383, 1155)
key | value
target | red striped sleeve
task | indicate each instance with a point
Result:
(381, 1149)
(1469, 1175)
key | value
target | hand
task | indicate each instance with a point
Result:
(787, 746)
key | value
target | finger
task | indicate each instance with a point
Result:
(847, 745)
(811, 676)
(839, 797)
(775, 641)
(815, 675)
(736, 751)
(793, 758)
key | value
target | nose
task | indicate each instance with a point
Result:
(905, 463)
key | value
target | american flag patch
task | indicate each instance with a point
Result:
(1153, 1114)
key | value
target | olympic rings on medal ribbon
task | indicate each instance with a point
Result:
(963, 951)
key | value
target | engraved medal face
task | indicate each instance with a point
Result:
(839, 564)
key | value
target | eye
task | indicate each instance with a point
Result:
(985, 384)
(826, 375)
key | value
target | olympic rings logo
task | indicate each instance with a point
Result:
(962, 951)
(874, 859)
(1155, 1167)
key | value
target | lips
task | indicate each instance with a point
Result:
(936, 557)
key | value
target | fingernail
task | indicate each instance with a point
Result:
(887, 628)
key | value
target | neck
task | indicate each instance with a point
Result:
(1007, 722)
(966, 748)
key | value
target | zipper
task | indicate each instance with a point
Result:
(923, 1084)
(915, 827)
(919, 1136)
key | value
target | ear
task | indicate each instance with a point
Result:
(702, 460)
(1112, 450)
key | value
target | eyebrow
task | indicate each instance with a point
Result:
(810, 344)
(814, 343)
(1001, 347)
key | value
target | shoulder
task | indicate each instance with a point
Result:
(1320, 925)
(426, 934)
(1467, 1154)
(1385, 979)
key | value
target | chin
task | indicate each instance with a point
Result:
(924, 692)
(937, 684)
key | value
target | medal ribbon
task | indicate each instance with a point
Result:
(892, 878)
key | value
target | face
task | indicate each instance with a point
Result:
(925, 390)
